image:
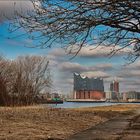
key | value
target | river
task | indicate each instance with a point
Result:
(79, 105)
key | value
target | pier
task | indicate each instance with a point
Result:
(86, 100)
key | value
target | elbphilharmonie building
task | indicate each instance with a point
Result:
(88, 88)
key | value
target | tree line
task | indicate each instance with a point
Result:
(23, 79)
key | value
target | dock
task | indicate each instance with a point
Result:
(86, 100)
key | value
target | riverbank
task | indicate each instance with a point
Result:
(35, 123)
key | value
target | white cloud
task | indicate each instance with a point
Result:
(103, 66)
(135, 65)
(100, 51)
(111, 78)
(129, 73)
(9, 8)
(89, 52)
(57, 52)
(72, 67)
(93, 74)
(79, 68)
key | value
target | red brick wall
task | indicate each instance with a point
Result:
(77, 95)
(90, 95)
(116, 86)
(86, 95)
(82, 94)
(97, 95)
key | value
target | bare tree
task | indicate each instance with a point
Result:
(5, 79)
(80, 22)
(21, 80)
(32, 76)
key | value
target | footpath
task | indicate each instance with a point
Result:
(124, 127)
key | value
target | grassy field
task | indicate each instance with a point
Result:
(38, 123)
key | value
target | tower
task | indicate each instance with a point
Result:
(114, 88)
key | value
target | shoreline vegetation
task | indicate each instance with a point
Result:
(42, 123)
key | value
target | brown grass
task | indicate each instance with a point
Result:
(119, 107)
(35, 123)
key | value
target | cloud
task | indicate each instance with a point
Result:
(9, 8)
(79, 68)
(57, 52)
(111, 78)
(100, 51)
(129, 73)
(104, 66)
(93, 74)
(135, 65)
(72, 67)
(133, 83)
(89, 52)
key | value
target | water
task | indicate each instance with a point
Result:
(79, 105)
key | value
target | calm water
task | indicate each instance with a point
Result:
(78, 105)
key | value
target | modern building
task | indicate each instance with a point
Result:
(108, 95)
(88, 88)
(131, 95)
(114, 86)
(114, 89)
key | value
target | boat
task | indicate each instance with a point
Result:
(52, 101)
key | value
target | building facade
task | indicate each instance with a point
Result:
(114, 86)
(88, 88)
(131, 95)
(114, 89)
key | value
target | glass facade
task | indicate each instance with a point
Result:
(85, 83)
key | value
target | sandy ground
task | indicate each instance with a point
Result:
(38, 123)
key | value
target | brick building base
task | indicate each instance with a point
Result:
(97, 95)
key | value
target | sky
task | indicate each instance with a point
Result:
(89, 62)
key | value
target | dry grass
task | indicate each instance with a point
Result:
(35, 123)
(119, 107)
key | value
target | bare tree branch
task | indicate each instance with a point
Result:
(70, 22)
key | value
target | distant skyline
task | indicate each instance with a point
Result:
(91, 63)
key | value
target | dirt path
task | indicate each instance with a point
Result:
(133, 130)
(125, 127)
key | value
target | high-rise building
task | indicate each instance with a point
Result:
(88, 88)
(114, 88)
